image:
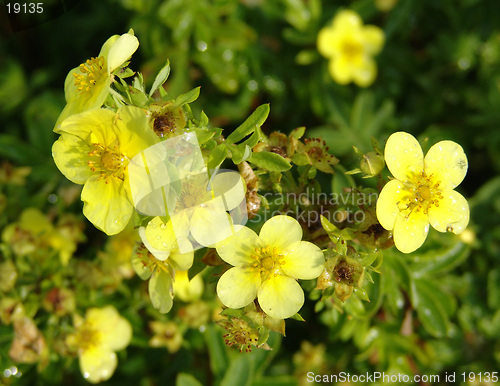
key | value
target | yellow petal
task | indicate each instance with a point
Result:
(161, 291)
(97, 364)
(373, 39)
(452, 214)
(410, 233)
(238, 287)
(133, 131)
(161, 255)
(116, 330)
(238, 249)
(181, 261)
(71, 156)
(210, 223)
(346, 20)
(107, 205)
(280, 232)
(304, 260)
(447, 162)
(387, 203)
(280, 297)
(365, 72)
(93, 126)
(121, 50)
(230, 186)
(341, 70)
(403, 156)
(185, 289)
(326, 39)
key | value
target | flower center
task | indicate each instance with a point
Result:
(351, 49)
(267, 262)
(423, 193)
(107, 161)
(87, 337)
(92, 71)
(193, 193)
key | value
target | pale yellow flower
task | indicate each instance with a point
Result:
(267, 266)
(94, 150)
(422, 191)
(87, 86)
(350, 46)
(97, 338)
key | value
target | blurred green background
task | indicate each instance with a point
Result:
(438, 78)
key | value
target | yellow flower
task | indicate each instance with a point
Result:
(185, 289)
(267, 265)
(160, 258)
(94, 149)
(350, 46)
(422, 191)
(87, 86)
(171, 180)
(97, 338)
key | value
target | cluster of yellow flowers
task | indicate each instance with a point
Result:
(97, 145)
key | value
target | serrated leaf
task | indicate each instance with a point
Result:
(270, 161)
(256, 119)
(160, 78)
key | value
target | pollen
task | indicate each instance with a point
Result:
(108, 161)
(267, 262)
(91, 73)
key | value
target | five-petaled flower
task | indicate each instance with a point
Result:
(96, 339)
(422, 191)
(87, 86)
(350, 46)
(94, 149)
(267, 266)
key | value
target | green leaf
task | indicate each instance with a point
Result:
(440, 260)
(494, 289)
(270, 161)
(240, 153)
(198, 265)
(255, 120)
(332, 231)
(17, 150)
(160, 78)
(184, 379)
(161, 290)
(362, 111)
(188, 97)
(240, 372)
(203, 135)
(431, 308)
(217, 156)
(219, 360)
